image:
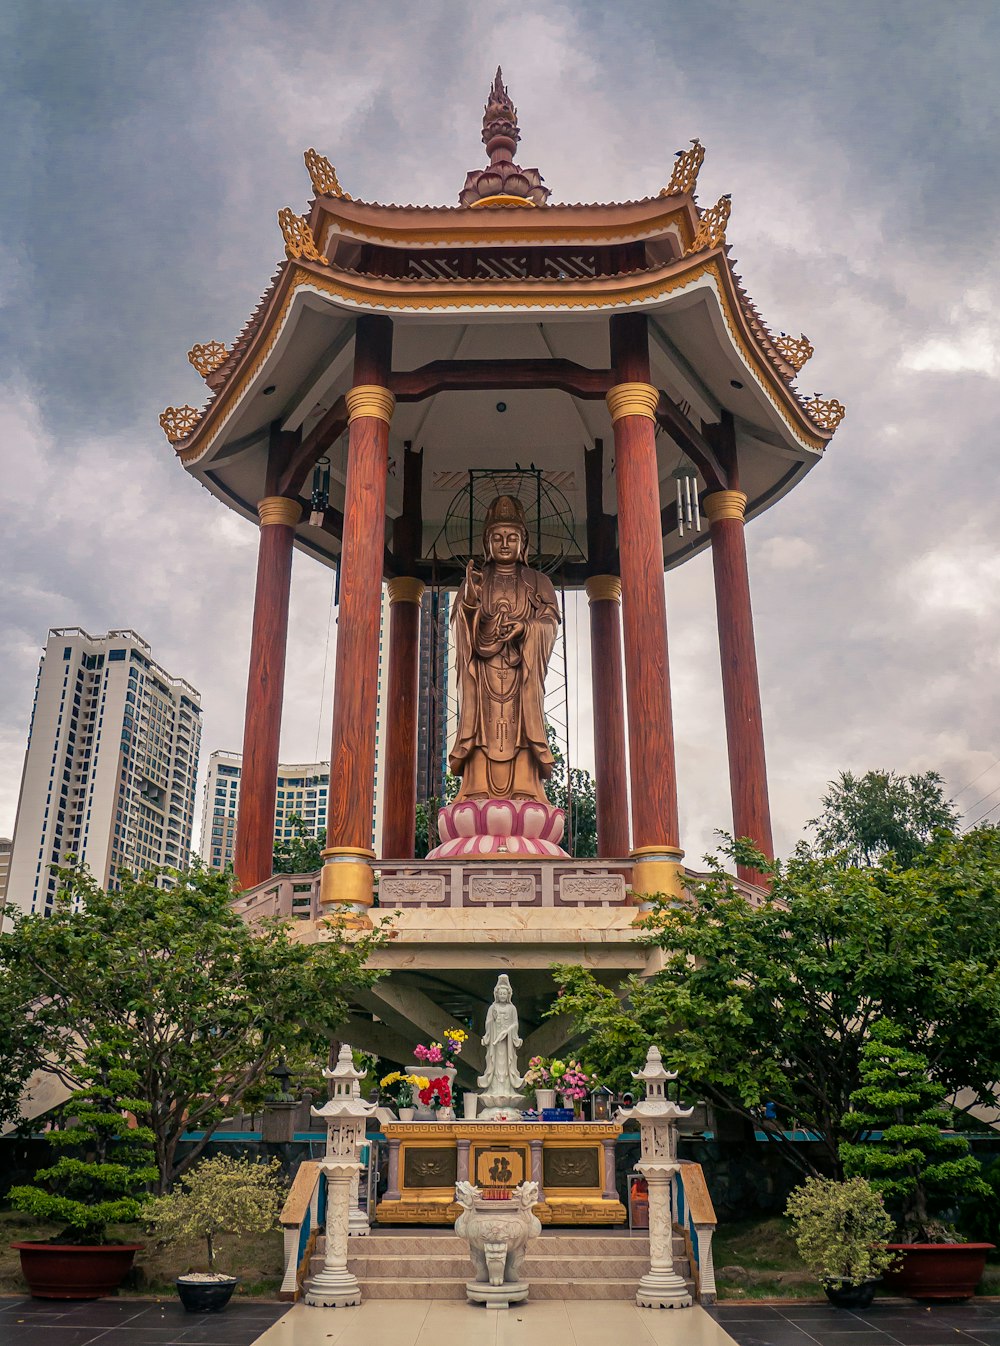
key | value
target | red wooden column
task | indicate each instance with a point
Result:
(347, 872)
(265, 690)
(632, 403)
(605, 594)
(399, 808)
(740, 687)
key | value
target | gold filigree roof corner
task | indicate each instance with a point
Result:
(687, 165)
(323, 176)
(208, 356)
(796, 350)
(299, 240)
(826, 412)
(178, 422)
(711, 231)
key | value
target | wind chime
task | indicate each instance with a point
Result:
(320, 492)
(688, 506)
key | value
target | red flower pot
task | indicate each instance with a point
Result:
(937, 1270)
(75, 1271)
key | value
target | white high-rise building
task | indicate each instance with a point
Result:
(302, 793)
(303, 787)
(109, 774)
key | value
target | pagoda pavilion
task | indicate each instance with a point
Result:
(398, 353)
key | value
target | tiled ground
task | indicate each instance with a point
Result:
(130, 1322)
(892, 1323)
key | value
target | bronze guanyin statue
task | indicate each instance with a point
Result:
(504, 625)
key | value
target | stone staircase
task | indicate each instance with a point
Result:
(561, 1264)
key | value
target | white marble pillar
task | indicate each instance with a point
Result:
(334, 1287)
(661, 1287)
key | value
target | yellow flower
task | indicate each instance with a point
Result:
(390, 1079)
(421, 1081)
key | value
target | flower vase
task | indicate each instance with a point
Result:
(545, 1098)
(405, 1114)
(446, 1114)
(573, 1104)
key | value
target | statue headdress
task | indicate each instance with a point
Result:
(507, 509)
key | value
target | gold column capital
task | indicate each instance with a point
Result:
(604, 588)
(725, 505)
(346, 879)
(278, 509)
(405, 589)
(632, 399)
(370, 399)
(657, 870)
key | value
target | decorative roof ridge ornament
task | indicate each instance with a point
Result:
(712, 227)
(178, 422)
(323, 176)
(687, 165)
(826, 412)
(299, 240)
(796, 350)
(503, 183)
(208, 356)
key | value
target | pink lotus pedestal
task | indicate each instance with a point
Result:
(491, 828)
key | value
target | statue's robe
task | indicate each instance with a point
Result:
(501, 749)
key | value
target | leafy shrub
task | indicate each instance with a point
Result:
(841, 1229)
(219, 1196)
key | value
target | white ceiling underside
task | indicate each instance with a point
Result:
(693, 356)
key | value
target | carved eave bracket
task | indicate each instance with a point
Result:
(299, 240)
(687, 165)
(323, 176)
(711, 232)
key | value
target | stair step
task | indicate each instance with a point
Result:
(436, 1268)
(542, 1288)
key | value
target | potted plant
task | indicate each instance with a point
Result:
(398, 1090)
(102, 1177)
(218, 1196)
(538, 1079)
(840, 1230)
(436, 1095)
(921, 1169)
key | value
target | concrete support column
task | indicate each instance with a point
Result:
(605, 595)
(254, 850)
(347, 878)
(632, 403)
(392, 1192)
(536, 1167)
(610, 1192)
(740, 684)
(462, 1160)
(399, 811)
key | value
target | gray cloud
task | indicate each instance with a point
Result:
(149, 147)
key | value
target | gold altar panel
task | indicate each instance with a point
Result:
(499, 1165)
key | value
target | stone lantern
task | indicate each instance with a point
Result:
(661, 1287)
(345, 1114)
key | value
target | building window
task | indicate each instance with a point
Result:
(116, 656)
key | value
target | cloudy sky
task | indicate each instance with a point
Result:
(147, 147)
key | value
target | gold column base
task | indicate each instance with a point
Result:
(657, 870)
(347, 883)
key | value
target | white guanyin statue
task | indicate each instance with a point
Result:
(501, 1084)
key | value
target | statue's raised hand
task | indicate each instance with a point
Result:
(473, 585)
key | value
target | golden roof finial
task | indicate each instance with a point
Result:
(323, 176)
(208, 356)
(712, 228)
(178, 422)
(687, 165)
(299, 241)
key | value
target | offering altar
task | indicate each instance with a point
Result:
(573, 1164)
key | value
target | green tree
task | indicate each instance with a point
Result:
(20, 1044)
(302, 853)
(771, 1003)
(920, 1169)
(219, 1196)
(104, 1173)
(173, 987)
(426, 836)
(866, 817)
(575, 792)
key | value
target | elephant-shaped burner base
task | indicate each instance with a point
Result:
(497, 1233)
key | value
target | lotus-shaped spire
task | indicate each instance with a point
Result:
(503, 182)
